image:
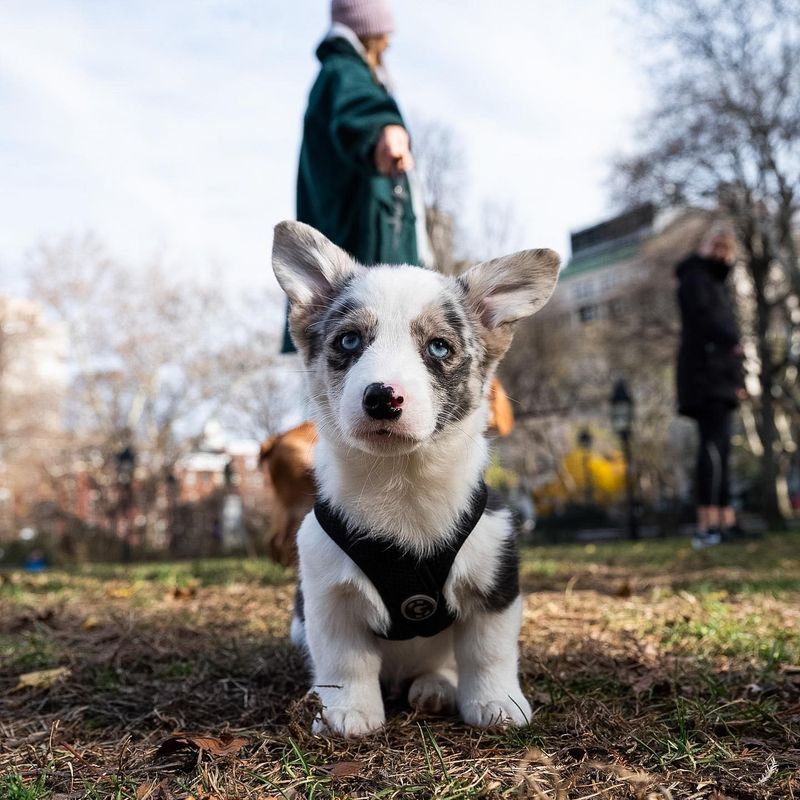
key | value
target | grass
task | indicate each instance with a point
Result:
(655, 672)
(133, 577)
(13, 787)
(760, 566)
(27, 651)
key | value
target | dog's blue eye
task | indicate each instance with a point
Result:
(438, 348)
(350, 342)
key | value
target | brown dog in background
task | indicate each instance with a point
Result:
(288, 458)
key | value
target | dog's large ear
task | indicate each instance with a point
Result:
(507, 289)
(309, 267)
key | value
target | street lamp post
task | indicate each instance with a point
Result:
(585, 443)
(622, 425)
(173, 489)
(126, 467)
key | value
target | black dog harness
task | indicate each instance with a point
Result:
(411, 587)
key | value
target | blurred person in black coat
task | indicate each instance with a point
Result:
(710, 375)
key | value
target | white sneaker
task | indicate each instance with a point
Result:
(703, 539)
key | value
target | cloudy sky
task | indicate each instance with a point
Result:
(172, 126)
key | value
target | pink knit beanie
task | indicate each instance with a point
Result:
(363, 17)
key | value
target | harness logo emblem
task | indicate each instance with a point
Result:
(418, 607)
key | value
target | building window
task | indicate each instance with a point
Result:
(584, 290)
(589, 313)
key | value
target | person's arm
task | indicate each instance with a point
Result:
(366, 125)
(393, 151)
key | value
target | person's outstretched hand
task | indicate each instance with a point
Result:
(392, 152)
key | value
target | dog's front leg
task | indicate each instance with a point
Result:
(486, 646)
(346, 664)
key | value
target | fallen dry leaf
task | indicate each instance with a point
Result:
(145, 790)
(42, 679)
(223, 745)
(345, 769)
(121, 592)
(155, 791)
(185, 592)
(624, 589)
(90, 623)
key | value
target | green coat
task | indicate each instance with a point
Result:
(339, 190)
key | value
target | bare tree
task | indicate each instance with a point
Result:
(441, 165)
(263, 395)
(499, 231)
(724, 129)
(153, 358)
(440, 160)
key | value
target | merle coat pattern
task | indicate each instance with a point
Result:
(432, 344)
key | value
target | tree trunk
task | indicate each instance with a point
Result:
(765, 415)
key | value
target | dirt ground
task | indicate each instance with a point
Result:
(655, 672)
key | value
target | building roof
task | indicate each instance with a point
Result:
(611, 241)
(594, 260)
(630, 223)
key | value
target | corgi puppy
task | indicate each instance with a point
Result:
(408, 571)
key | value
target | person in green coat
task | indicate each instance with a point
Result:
(352, 182)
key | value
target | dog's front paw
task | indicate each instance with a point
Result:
(513, 711)
(348, 721)
(432, 694)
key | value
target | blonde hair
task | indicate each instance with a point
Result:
(718, 230)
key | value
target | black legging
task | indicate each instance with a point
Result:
(712, 460)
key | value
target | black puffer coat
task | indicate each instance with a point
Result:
(709, 364)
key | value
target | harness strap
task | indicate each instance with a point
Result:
(411, 586)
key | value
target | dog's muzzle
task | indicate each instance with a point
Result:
(381, 402)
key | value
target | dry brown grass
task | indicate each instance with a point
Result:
(655, 673)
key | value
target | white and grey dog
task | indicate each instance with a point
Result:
(407, 576)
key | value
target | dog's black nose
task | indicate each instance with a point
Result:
(381, 402)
